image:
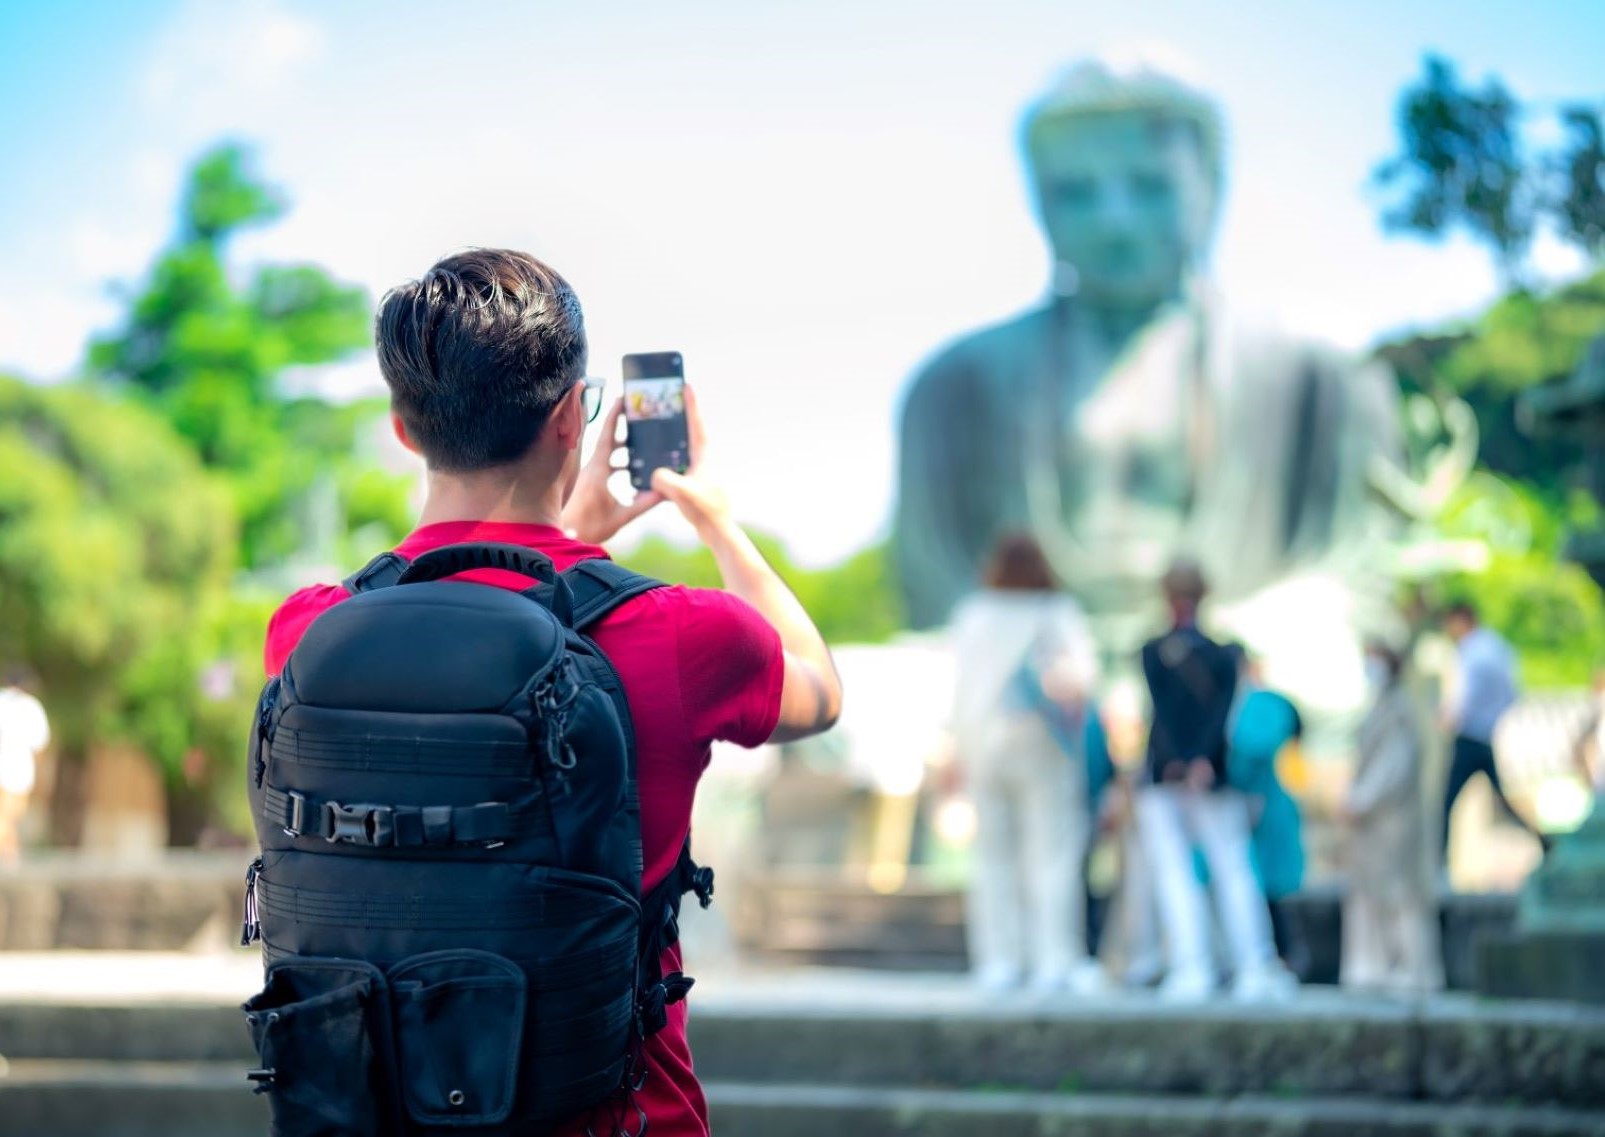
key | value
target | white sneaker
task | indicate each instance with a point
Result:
(1183, 987)
(1088, 978)
(1267, 983)
(996, 978)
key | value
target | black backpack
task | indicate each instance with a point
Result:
(449, 892)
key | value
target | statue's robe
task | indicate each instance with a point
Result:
(1247, 450)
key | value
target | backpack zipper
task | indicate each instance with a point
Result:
(251, 926)
(264, 726)
(553, 709)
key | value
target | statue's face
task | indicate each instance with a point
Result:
(1125, 198)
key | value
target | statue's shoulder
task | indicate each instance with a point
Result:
(984, 357)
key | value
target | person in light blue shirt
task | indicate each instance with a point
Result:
(1485, 691)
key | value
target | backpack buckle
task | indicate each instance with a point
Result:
(371, 825)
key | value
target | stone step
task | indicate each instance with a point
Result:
(931, 1034)
(149, 1099)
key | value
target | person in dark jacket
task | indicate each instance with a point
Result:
(1187, 802)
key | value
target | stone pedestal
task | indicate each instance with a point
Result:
(1559, 939)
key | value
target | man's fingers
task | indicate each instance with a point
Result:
(607, 440)
(697, 435)
(666, 483)
(643, 502)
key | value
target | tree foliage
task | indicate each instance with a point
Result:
(853, 601)
(1464, 166)
(116, 559)
(1551, 610)
(210, 355)
(1526, 338)
(1580, 167)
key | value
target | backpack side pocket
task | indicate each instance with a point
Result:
(321, 1031)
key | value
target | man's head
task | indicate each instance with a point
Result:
(1126, 166)
(478, 353)
(1460, 620)
(1184, 587)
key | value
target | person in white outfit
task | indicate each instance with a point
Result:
(1025, 666)
(24, 732)
(1187, 804)
(1589, 751)
(1390, 926)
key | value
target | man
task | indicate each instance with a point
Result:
(485, 359)
(1485, 689)
(1192, 681)
(24, 732)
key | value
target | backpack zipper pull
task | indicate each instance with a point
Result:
(251, 926)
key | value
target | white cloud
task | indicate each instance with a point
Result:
(42, 331)
(216, 54)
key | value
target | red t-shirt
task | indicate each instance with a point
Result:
(697, 665)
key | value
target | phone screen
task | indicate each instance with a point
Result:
(654, 415)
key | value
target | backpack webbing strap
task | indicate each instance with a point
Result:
(381, 572)
(398, 826)
(660, 929)
(600, 585)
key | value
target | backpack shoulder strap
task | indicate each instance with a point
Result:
(381, 572)
(600, 585)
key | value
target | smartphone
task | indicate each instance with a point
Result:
(654, 415)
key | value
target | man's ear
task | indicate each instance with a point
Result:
(401, 432)
(567, 423)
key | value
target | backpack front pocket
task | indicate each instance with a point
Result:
(459, 1020)
(319, 1026)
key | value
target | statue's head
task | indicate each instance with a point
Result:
(1126, 165)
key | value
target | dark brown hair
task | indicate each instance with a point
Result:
(1018, 564)
(477, 352)
(1183, 584)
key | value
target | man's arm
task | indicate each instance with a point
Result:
(811, 695)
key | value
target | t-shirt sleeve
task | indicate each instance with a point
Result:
(732, 667)
(293, 617)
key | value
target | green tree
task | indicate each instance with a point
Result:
(1550, 610)
(1580, 168)
(116, 556)
(209, 354)
(1462, 166)
(853, 601)
(1524, 339)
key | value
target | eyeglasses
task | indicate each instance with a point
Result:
(591, 397)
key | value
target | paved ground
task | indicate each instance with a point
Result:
(231, 976)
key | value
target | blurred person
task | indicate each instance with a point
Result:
(485, 359)
(1589, 752)
(1485, 689)
(1265, 732)
(24, 733)
(1189, 803)
(1025, 668)
(1390, 927)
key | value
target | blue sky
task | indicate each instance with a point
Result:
(806, 199)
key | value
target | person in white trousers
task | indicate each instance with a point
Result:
(1186, 804)
(1390, 920)
(1027, 897)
